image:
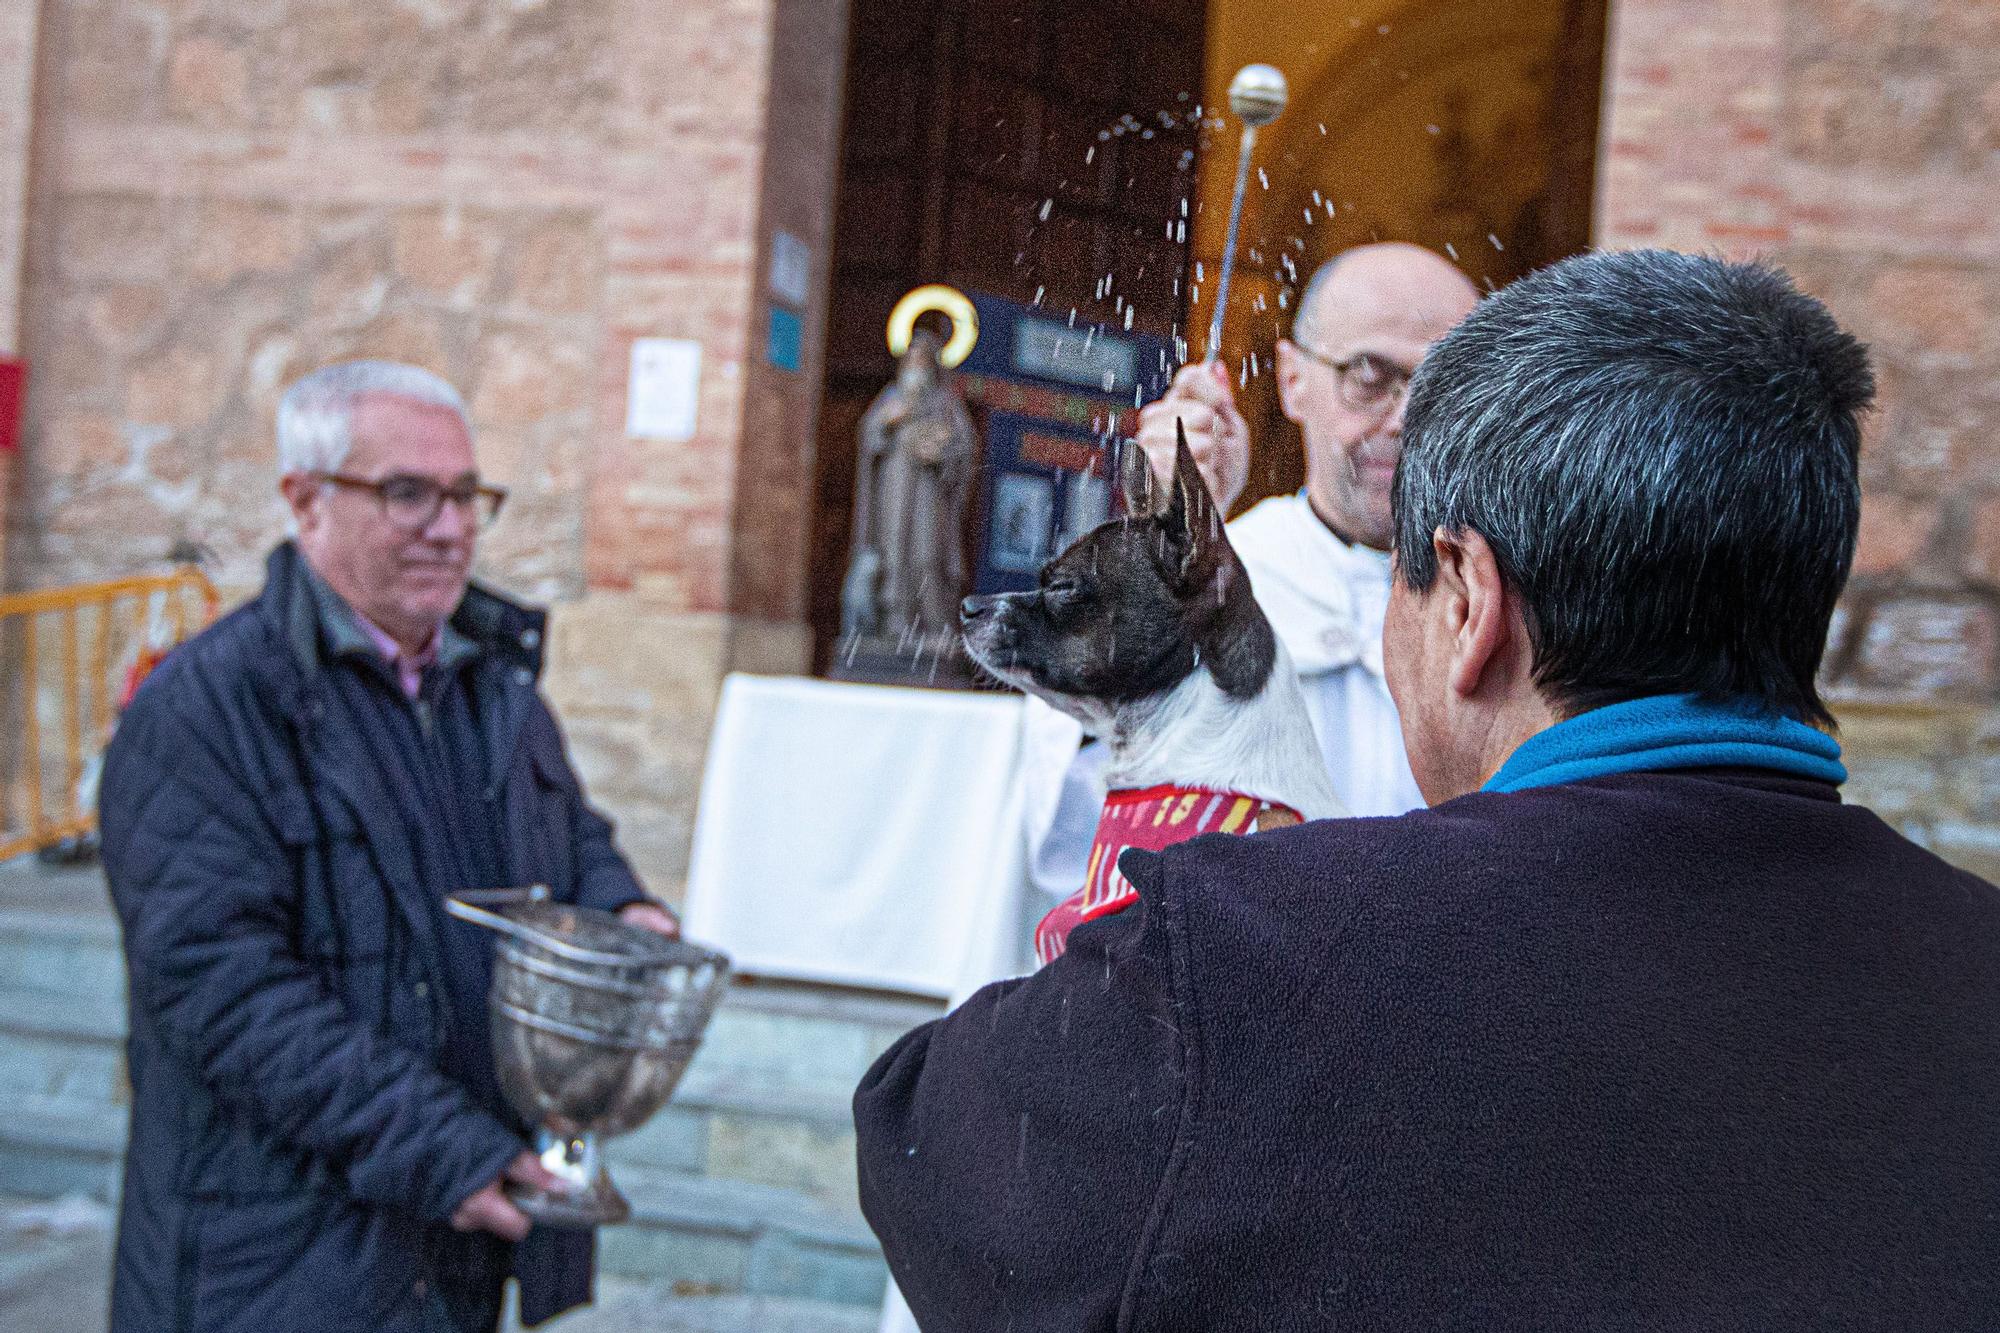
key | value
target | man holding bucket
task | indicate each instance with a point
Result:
(318, 1134)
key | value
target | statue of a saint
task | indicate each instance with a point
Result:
(906, 572)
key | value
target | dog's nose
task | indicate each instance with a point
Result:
(972, 608)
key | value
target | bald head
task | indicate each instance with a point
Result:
(1392, 288)
(1368, 316)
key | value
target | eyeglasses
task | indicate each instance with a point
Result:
(1365, 383)
(412, 503)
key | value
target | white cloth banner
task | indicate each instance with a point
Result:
(863, 835)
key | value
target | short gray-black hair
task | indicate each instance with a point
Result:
(316, 415)
(1662, 451)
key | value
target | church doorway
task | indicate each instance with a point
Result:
(1054, 156)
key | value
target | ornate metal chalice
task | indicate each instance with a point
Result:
(593, 1024)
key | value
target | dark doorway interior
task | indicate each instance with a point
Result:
(1030, 148)
(1019, 147)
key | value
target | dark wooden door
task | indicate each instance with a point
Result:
(1032, 149)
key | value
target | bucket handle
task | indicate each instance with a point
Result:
(471, 904)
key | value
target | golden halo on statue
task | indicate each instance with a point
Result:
(948, 301)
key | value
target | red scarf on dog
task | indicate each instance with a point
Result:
(1149, 818)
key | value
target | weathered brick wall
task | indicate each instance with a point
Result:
(1857, 142)
(227, 193)
(19, 27)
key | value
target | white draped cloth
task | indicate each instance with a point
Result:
(863, 835)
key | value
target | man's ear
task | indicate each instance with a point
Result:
(1135, 480)
(1291, 380)
(301, 491)
(1487, 640)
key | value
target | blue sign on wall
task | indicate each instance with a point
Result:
(787, 341)
(1054, 396)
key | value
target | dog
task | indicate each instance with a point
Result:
(1145, 631)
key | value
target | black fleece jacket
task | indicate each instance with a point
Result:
(1698, 1050)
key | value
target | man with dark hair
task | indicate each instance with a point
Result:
(1638, 1026)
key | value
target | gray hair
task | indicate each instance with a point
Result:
(1661, 450)
(316, 415)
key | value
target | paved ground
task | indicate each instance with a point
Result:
(55, 1259)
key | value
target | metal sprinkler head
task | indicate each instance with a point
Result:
(1257, 94)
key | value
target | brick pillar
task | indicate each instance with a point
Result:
(696, 552)
(1853, 142)
(19, 24)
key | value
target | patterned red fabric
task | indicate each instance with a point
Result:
(1149, 818)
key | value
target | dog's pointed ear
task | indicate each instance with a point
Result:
(1192, 520)
(1135, 480)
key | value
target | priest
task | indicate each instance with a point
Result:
(1318, 559)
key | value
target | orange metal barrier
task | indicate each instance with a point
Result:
(68, 658)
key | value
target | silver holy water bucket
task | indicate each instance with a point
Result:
(593, 1024)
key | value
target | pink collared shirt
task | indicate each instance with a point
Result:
(409, 667)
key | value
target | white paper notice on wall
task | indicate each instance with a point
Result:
(791, 268)
(664, 389)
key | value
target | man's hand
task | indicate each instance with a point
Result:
(487, 1209)
(651, 916)
(1202, 402)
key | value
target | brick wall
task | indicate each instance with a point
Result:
(227, 193)
(224, 193)
(19, 24)
(1857, 142)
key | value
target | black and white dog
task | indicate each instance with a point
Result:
(1145, 631)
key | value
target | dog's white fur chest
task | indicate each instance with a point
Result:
(1195, 735)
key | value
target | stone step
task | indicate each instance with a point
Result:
(699, 1236)
(55, 1146)
(65, 953)
(765, 1102)
(624, 1306)
(738, 1114)
(58, 1066)
(53, 1258)
(795, 1046)
(719, 1237)
(770, 1056)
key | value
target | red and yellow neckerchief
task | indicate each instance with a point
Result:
(1149, 818)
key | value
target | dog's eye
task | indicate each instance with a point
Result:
(1061, 590)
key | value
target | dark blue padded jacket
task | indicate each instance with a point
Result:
(296, 1148)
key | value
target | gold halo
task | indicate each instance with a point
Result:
(946, 300)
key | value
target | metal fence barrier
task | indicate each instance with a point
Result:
(69, 659)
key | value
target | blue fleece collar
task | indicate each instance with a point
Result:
(1669, 731)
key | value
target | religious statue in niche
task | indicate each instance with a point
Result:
(918, 451)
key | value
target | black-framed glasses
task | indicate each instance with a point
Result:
(1364, 382)
(412, 503)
